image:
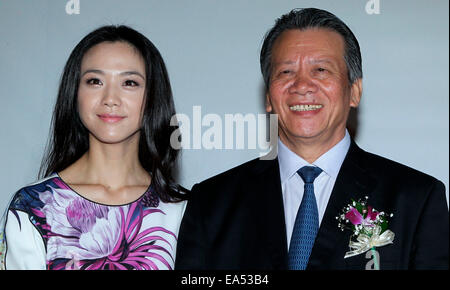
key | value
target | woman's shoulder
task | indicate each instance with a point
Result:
(172, 210)
(28, 196)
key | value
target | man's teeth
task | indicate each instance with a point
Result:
(305, 107)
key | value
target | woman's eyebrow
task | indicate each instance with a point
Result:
(132, 73)
(98, 71)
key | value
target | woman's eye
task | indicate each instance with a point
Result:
(93, 81)
(131, 83)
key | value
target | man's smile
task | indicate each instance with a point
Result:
(303, 108)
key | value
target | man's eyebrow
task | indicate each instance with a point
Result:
(313, 61)
(284, 62)
(321, 60)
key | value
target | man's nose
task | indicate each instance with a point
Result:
(303, 84)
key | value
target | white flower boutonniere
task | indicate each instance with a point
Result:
(369, 228)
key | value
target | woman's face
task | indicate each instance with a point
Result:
(111, 92)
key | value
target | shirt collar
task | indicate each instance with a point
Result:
(330, 162)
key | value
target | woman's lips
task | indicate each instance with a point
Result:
(110, 118)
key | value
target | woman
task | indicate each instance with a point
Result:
(107, 199)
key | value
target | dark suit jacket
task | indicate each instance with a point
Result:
(235, 220)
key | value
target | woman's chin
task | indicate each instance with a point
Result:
(113, 139)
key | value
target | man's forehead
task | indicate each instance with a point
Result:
(317, 45)
(319, 38)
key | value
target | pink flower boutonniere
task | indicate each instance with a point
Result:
(369, 228)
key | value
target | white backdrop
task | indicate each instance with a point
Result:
(211, 48)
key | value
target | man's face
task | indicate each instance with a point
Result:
(309, 87)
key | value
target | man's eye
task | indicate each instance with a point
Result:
(321, 69)
(130, 83)
(285, 72)
(93, 81)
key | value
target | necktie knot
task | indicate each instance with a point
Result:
(309, 173)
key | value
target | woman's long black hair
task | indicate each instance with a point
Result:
(69, 138)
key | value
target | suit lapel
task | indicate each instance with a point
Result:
(268, 187)
(352, 182)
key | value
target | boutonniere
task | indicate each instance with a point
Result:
(369, 228)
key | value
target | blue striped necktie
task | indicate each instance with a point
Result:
(306, 222)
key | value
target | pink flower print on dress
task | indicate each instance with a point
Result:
(99, 236)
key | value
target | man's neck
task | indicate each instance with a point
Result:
(310, 149)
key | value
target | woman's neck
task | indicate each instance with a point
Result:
(111, 165)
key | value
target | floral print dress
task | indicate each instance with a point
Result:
(50, 226)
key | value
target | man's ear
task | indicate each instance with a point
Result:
(356, 92)
(268, 103)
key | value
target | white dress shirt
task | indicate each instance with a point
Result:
(292, 184)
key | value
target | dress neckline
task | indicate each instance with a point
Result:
(149, 191)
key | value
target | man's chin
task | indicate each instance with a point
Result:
(299, 137)
(304, 134)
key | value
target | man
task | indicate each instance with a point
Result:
(281, 214)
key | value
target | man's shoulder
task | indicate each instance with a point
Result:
(240, 173)
(383, 166)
